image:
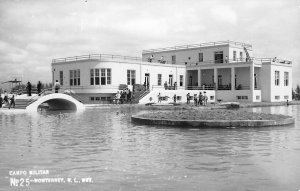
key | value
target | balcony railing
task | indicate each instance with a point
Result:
(95, 57)
(201, 87)
(149, 51)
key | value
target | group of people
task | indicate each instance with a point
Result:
(7, 101)
(29, 88)
(198, 100)
(161, 60)
(122, 97)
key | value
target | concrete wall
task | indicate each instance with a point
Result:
(231, 95)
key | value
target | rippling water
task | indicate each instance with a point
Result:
(103, 144)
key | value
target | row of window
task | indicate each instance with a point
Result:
(218, 56)
(102, 76)
(100, 98)
(284, 97)
(277, 78)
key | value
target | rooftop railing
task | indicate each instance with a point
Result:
(149, 51)
(95, 57)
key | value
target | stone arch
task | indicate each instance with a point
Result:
(57, 101)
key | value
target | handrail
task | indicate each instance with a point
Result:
(94, 57)
(197, 46)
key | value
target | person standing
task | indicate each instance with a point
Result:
(28, 88)
(12, 102)
(159, 97)
(200, 99)
(188, 98)
(56, 86)
(174, 98)
(205, 98)
(1, 101)
(195, 99)
(39, 88)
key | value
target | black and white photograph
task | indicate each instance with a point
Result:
(150, 95)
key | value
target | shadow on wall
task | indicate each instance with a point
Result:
(61, 104)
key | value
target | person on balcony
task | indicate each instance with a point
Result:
(226, 59)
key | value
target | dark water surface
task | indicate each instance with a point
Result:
(103, 144)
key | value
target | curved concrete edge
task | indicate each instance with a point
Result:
(212, 123)
(33, 107)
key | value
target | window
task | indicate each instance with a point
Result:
(92, 76)
(219, 80)
(242, 97)
(277, 75)
(286, 79)
(234, 55)
(174, 59)
(159, 79)
(130, 77)
(61, 78)
(277, 97)
(105, 76)
(97, 77)
(219, 57)
(92, 98)
(181, 80)
(286, 97)
(257, 97)
(97, 98)
(241, 56)
(201, 57)
(75, 77)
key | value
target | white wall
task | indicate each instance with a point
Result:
(118, 74)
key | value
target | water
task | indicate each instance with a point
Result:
(103, 144)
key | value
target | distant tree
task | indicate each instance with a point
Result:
(293, 94)
(297, 92)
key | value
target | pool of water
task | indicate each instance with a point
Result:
(103, 144)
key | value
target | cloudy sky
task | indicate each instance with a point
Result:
(33, 32)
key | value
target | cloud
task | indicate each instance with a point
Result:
(32, 33)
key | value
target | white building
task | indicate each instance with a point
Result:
(226, 70)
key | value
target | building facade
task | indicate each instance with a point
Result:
(226, 70)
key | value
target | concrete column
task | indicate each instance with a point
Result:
(232, 78)
(216, 78)
(251, 82)
(199, 77)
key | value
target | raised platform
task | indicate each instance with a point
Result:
(212, 118)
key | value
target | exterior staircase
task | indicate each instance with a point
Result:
(22, 103)
(247, 54)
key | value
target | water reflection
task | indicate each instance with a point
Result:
(102, 143)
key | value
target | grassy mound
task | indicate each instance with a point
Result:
(212, 115)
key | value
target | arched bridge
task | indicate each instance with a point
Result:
(57, 101)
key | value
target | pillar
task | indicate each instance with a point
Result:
(251, 82)
(232, 78)
(216, 78)
(199, 77)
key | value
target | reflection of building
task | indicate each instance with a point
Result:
(227, 68)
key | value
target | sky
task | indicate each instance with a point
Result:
(33, 32)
